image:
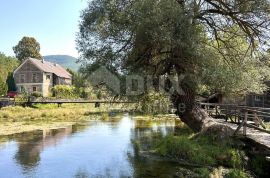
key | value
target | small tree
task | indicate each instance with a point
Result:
(27, 47)
(3, 87)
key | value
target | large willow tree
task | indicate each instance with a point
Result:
(187, 38)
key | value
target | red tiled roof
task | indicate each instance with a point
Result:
(51, 68)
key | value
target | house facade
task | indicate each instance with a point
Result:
(40, 76)
(256, 100)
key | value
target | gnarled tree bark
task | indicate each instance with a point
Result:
(197, 118)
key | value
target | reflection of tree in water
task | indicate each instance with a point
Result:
(33, 143)
(81, 173)
(25, 156)
(146, 165)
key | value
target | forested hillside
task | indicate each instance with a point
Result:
(64, 60)
(7, 66)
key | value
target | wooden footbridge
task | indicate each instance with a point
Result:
(59, 102)
(10, 101)
(246, 121)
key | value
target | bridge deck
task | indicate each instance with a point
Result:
(247, 121)
(62, 102)
(259, 137)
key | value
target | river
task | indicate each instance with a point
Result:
(93, 149)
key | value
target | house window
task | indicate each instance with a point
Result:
(22, 89)
(134, 85)
(34, 89)
(22, 78)
(258, 98)
(34, 77)
(48, 77)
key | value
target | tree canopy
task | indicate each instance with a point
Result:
(209, 38)
(7, 66)
(27, 47)
(212, 43)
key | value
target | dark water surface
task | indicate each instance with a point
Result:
(96, 149)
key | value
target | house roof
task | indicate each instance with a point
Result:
(49, 67)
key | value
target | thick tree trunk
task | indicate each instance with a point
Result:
(199, 121)
(197, 118)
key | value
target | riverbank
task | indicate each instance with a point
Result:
(42, 117)
(206, 156)
(163, 137)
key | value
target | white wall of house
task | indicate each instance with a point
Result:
(47, 84)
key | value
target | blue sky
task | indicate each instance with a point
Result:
(53, 23)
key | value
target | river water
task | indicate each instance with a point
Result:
(95, 149)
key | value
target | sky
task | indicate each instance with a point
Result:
(53, 23)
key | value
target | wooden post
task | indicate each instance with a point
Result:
(245, 124)
(256, 119)
(216, 110)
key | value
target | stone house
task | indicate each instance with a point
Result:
(40, 76)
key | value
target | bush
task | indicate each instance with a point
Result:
(36, 94)
(155, 103)
(64, 91)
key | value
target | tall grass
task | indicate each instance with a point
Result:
(202, 151)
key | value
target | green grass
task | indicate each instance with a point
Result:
(236, 173)
(42, 116)
(201, 151)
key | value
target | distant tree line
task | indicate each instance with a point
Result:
(7, 66)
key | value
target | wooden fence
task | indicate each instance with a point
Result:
(244, 116)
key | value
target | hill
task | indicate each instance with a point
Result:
(64, 60)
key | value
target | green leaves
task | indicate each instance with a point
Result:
(64, 91)
(7, 66)
(27, 47)
(3, 87)
(209, 42)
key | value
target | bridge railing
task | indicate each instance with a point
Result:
(244, 116)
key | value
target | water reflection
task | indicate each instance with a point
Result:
(30, 145)
(97, 149)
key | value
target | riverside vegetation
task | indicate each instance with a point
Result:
(206, 155)
(21, 119)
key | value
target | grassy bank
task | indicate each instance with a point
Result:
(20, 119)
(207, 155)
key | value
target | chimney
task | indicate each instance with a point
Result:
(43, 60)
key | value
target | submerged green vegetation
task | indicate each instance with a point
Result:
(205, 154)
(20, 119)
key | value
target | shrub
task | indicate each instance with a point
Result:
(36, 94)
(155, 103)
(64, 91)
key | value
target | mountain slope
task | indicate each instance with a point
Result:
(64, 60)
